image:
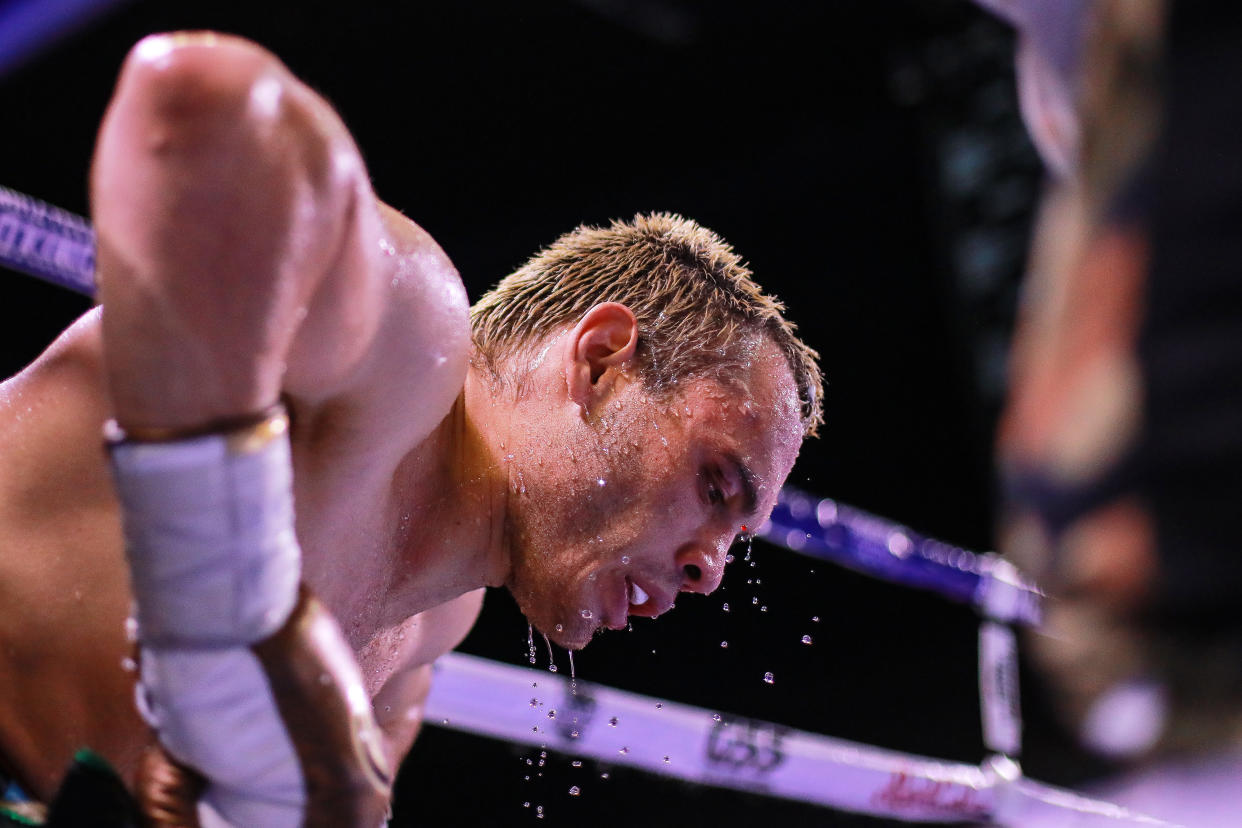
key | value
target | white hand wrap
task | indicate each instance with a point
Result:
(215, 567)
(209, 535)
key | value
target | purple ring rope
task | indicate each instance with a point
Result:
(47, 242)
(858, 540)
(29, 27)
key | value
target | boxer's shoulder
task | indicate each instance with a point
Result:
(418, 353)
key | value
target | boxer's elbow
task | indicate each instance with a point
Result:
(218, 103)
(209, 138)
(182, 85)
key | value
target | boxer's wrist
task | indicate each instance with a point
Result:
(266, 424)
(208, 522)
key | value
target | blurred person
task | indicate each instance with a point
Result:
(1121, 445)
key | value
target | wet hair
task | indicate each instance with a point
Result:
(700, 314)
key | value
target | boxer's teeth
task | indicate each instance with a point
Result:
(637, 596)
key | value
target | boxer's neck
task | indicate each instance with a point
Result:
(448, 507)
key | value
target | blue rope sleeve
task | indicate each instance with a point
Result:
(47, 242)
(849, 537)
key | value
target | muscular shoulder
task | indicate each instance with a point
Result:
(418, 353)
(425, 338)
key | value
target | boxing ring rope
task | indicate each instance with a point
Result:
(27, 27)
(488, 698)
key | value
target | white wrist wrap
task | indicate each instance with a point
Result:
(215, 712)
(215, 567)
(209, 535)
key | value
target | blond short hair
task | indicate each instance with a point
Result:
(696, 304)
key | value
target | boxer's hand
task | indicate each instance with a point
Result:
(319, 696)
(167, 791)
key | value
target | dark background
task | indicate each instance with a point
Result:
(867, 160)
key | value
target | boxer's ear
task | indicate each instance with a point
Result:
(598, 349)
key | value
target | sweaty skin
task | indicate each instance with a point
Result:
(243, 258)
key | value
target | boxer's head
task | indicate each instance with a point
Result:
(658, 402)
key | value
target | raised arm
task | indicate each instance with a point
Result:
(231, 205)
(235, 222)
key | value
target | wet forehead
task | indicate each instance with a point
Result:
(755, 416)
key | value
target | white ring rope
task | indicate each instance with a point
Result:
(493, 699)
(481, 696)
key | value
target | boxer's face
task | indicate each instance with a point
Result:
(646, 496)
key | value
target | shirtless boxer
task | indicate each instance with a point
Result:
(592, 435)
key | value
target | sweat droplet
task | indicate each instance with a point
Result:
(601, 482)
(551, 714)
(625, 559)
(560, 627)
(586, 613)
(767, 678)
(724, 643)
(574, 790)
(624, 750)
(815, 618)
(716, 717)
(725, 606)
(612, 722)
(576, 763)
(806, 639)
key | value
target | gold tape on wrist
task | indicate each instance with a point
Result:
(244, 433)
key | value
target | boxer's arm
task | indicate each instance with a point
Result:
(228, 200)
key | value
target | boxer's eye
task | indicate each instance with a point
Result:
(715, 493)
